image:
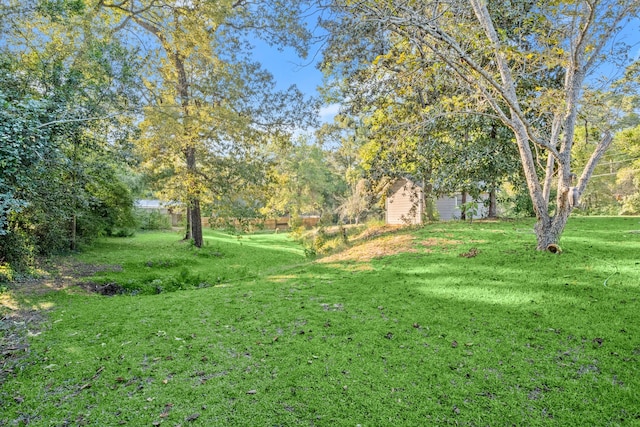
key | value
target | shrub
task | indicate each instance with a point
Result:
(17, 253)
(6, 273)
(152, 220)
(630, 205)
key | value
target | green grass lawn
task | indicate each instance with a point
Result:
(158, 262)
(456, 324)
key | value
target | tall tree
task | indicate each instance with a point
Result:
(490, 57)
(301, 181)
(64, 94)
(210, 100)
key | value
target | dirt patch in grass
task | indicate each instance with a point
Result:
(372, 232)
(386, 245)
(60, 275)
(437, 242)
(378, 248)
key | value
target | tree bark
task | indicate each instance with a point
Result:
(194, 200)
(190, 153)
(493, 210)
(196, 223)
(427, 199)
(463, 208)
(188, 233)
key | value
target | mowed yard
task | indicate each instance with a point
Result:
(449, 324)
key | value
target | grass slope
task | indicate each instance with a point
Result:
(465, 325)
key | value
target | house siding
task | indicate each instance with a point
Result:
(448, 208)
(404, 204)
(405, 195)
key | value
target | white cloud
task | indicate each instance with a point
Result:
(327, 112)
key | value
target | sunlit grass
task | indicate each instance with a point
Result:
(503, 336)
(160, 262)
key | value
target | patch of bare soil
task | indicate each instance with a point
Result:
(19, 319)
(377, 248)
(372, 232)
(438, 242)
(63, 275)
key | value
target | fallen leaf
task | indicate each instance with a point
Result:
(193, 417)
(472, 253)
(454, 344)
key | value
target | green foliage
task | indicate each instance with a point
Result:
(424, 77)
(326, 240)
(60, 84)
(518, 205)
(631, 205)
(22, 146)
(185, 279)
(152, 220)
(302, 181)
(58, 10)
(17, 250)
(6, 274)
(470, 209)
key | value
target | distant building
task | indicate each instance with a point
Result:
(405, 204)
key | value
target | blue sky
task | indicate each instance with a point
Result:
(289, 69)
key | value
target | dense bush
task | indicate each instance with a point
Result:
(631, 205)
(152, 220)
(17, 253)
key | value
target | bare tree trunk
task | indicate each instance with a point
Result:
(194, 202)
(74, 228)
(427, 199)
(463, 208)
(190, 153)
(493, 210)
(196, 223)
(548, 178)
(188, 233)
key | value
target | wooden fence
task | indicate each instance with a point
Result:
(281, 223)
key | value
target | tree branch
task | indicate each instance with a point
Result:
(602, 147)
(83, 119)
